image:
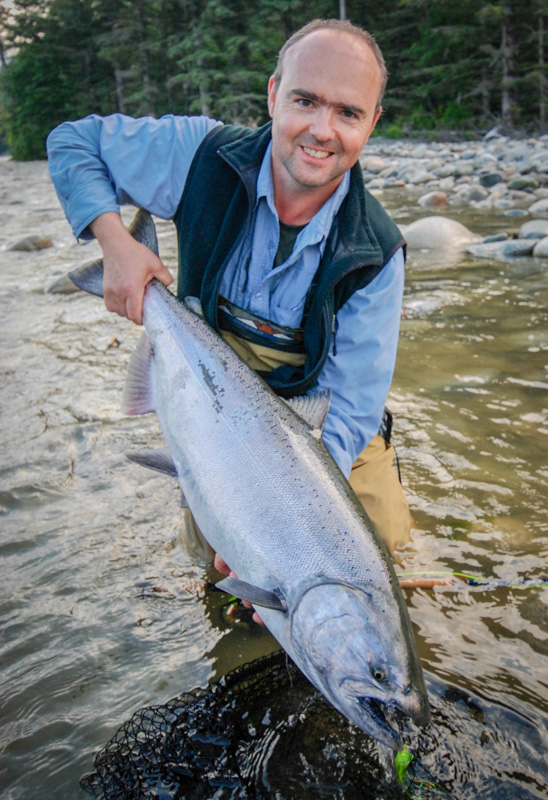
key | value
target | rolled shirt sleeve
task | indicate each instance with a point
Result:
(360, 371)
(99, 163)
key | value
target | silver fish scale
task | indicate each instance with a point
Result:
(262, 488)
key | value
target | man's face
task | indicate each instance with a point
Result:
(323, 111)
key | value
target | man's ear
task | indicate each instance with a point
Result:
(271, 95)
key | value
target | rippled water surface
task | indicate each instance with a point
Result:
(83, 530)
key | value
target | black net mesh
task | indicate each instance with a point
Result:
(262, 732)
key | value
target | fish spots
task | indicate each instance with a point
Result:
(216, 390)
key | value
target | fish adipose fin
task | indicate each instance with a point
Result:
(253, 594)
(312, 407)
(89, 278)
(158, 460)
(137, 397)
(194, 304)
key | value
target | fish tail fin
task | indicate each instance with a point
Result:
(137, 397)
(89, 278)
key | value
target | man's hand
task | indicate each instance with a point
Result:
(128, 267)
(222, 567)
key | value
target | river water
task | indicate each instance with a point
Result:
(83, 530)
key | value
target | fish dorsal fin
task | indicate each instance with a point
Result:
(253, 594)
(137, 397)
(194, 304)
(312, 407)
(158, 460)
(143, 230)
(89, 277)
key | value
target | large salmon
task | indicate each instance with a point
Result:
(272, 502)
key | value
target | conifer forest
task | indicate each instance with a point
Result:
(455, 68)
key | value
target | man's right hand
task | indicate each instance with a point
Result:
(128, 267)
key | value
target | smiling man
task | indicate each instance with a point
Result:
(295, 263)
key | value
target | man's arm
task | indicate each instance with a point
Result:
(360, 373)
(97, 164)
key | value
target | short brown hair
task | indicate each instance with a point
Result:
(335, 25)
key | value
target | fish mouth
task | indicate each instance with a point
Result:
(377, 711)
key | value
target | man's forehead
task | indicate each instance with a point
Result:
(327, 43)
(327, 58)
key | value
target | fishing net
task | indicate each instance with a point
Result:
(262, 732)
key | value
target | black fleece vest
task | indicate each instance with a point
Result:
(215, 211)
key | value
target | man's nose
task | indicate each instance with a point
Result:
(323, 124)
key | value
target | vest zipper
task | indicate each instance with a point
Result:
(334, 329)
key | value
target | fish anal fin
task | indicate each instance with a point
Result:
(137, 397)
(252, 594)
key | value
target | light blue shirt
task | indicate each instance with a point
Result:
(97, 164)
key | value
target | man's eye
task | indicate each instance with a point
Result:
(304, 102)
(349, 114)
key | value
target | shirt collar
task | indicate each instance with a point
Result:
(319, 226)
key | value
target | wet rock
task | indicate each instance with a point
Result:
(510, 247)
(32, 242)
(534, 229)
(516, 212)
(438, 232)
(433, 199)
(540, 208)
(495, 237)
(541, 248)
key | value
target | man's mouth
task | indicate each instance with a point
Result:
(316, 153)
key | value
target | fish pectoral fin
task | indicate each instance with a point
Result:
(137, 397)
(252, 594)
(158, 460)
(312, 407)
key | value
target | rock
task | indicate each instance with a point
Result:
(433, 199)
(474, 194)
(523, 183)
(438, 232)
(373, 164)
(516, 212)
(534, 229)
(62, 285)
(422, 176)
(511, 247)
(540, 208)
(32, 242)
(541, 248)
(491, 179)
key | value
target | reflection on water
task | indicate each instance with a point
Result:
(82, 647)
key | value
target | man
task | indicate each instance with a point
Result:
(296, 265)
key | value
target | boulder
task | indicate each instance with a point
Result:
(540, 208)
(438, 232)
(541, 248)
(534, 229)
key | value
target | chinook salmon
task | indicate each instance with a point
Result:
(271, 501)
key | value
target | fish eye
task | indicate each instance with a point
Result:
(379, 673)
